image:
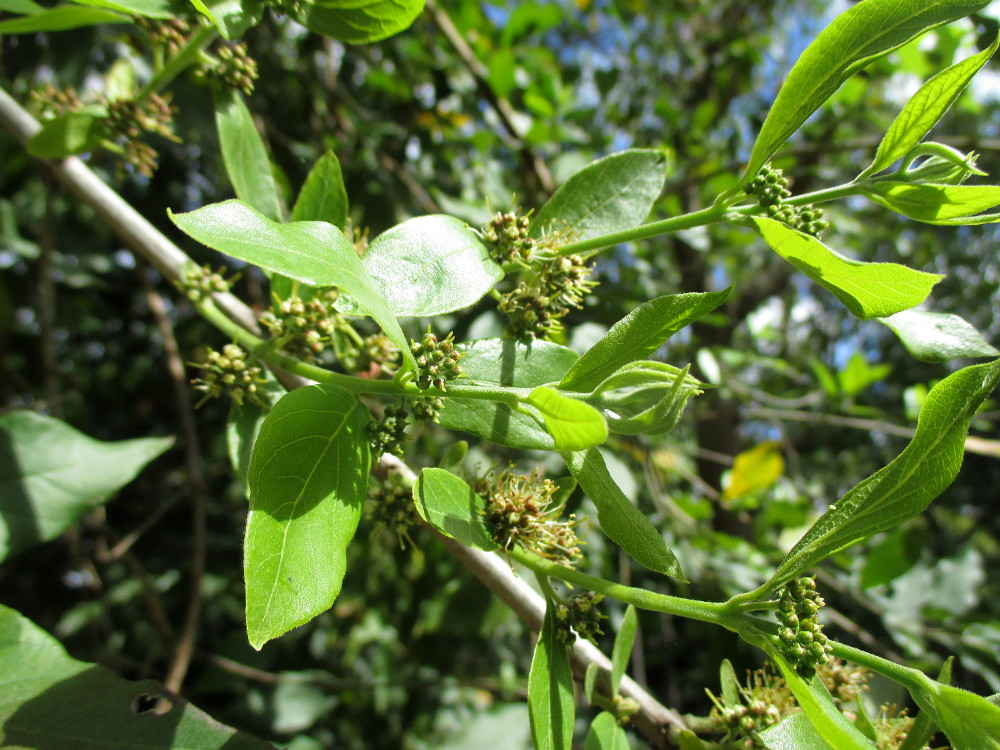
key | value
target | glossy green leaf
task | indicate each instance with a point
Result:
(308, 477)
(621, 651)
(147, 8)
(71, 133)
(858, 36)
(510, 363)
(906, 486)
(61, 18)
(606, 734)
(925, 108)
(793, 733)
(359, 21)
(970, 721)
(937, 204)
(550, 690)
(868, 290)
(611, 194)
(938, 337)
(244, 154)
(230, 17)
(50, 700)
(644, 397)
(572, 424)
(323, 196)
(830, 725)
(428, 266)
(637, 335)
(452, 507)
(313, 252)
(625, 524)
(51, 474)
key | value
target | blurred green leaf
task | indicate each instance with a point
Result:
(452, 507)
(51, 474)
(323, 196)
(359, 21)
(938, 337)
(621, 651)
(60, 18)
(606, 734)
(893, 556)
(230, 17)
(244, 154)
(550, 690)
(308, 477)
(71, 133)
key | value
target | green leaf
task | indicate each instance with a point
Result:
(308, 477)
(509, 363)
(313, 252)
(937, 204)
(21, 7)
(639, 334)
(230, 17)
(148, 8)
(51, 474)
(868, 290)
(550, 690)
(925, 108)
(572, 424)
(892, 556)
(906, 486)
(621, 651)
(428, 266)
(938, 337)
(858, 36)
(970, 721)
(830, 725)
(606, 734)
(728, 683)
(644, 397)
(50, 700)
(627, 527)
(923, 728)
(244, 154)
(71, 133)
(61, 18)
(793, 733)
(244, 423)
(452, 507)
(359, 21)
(611, 194)
(323, 196)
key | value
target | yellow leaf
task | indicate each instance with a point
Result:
(754, 469)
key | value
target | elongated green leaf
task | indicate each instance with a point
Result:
(611, 194)
(230, 17)
(21, 7)
(572, 424)
(359, 21)
(51, 474)
(452, 507)
(728, 683)
(868, 290)
(621, 651)
(938, 337)
(858, 36)
(936, 204)
(970, 721)
(50, 700)
(244, 154)
(428, 266)
(147, 8)
(308, 477)
(510, 363)
(606, 734)
(61, 18)
(637, 335)
(71, 133)
(793, 733)
(323, 196)
(925, 108)
(622, 522)
(550, 690)
(906, 486)
(313, 252)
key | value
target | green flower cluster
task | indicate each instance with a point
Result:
(388, 434)
(770, 187)
(437, 361)
(49, 99)
(391, 507)
(579, 615)
(800, 636)
(128, 119)
(507, 235)
(234, 68)
(519, 512)
(170, 34)
(201, 282)
(228, 372)
(303, 328)
(534, 309)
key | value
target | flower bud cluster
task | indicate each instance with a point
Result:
(535, 307)
(800, 636)
(507, 235)
(437, 361)
(519, 512)
(286, 7)
(426, 409)
(304, 328)
(200, 282)
(763, 702)
(579, 615)
(129, 119)
(388, 434)
(170, 33)
(770, 187)
(234, 68)
(391, 507)
(56, 101)
(228, 372)
(844, 680)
